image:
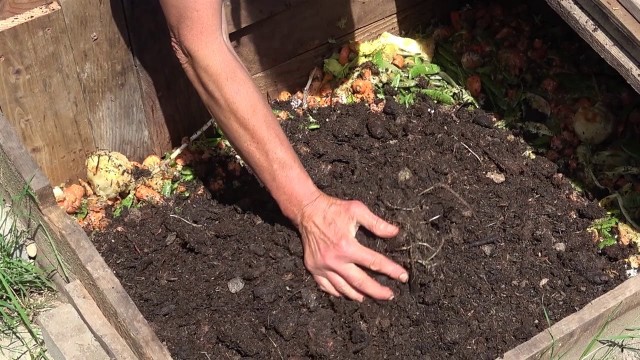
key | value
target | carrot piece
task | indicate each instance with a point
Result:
(147, 194)
(398, 60)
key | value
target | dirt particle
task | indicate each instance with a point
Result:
(235, 285)
(561, 247)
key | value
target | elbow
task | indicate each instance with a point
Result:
(182, 50)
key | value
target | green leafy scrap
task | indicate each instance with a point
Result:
(605, 228)
(126, 203)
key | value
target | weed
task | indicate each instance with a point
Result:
(20, 279)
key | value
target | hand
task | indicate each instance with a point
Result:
(333, 255)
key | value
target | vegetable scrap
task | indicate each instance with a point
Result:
(115, 183)
(362, 71)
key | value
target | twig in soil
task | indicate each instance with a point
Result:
(426, 262)
(276, 346)
(471, 151)
(305, 93)
(205, 354)
(185, 220)
(446, 187)
(191, 139)
(398, 207)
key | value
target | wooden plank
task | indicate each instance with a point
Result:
(242, 13)
(306, 26)
(633, 7)
(18, 170)
(89, 267)
(292, 74)
(107, 73)
(600, 38)
(572, 334)
(40, 93)
(615, 33)
(621, 18)
(172, 106)
(9, 8)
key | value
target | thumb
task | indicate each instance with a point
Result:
(374, 223)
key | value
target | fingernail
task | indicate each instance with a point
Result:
(404, 277)
(391, 297)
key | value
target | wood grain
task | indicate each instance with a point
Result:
(9, 8)
(41, 96)
(621, 18)
(108, 77)
(292, 74)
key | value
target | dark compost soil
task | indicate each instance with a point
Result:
(486, 257)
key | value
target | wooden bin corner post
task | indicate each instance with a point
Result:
(64, 247)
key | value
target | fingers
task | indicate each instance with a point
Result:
(326, 286)
(344, 288)
(375, 224)
(377, 262)
(363, 283)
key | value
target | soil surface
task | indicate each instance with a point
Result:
(492, 238)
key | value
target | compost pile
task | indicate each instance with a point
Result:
(493, 239)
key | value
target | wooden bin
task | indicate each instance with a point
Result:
(77, 76)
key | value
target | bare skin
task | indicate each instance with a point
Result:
(327, 225)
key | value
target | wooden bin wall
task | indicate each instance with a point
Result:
(77, 76)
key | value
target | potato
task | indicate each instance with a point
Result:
(109, 173)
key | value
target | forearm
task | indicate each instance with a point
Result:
(240, 109)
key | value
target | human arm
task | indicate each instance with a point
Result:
(327, 225)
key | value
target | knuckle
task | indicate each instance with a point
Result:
(375, 263)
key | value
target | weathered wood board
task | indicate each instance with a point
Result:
(605, 38)
(633, 7)
(171, 104)
(9, 8)
(622, 18)
(40, 93)
(107, 75)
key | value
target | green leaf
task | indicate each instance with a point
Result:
(83, 211)
(127, 202)
(439, 96)
(423, 70)
(187, 174)
(167, 188)
(334, 67)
